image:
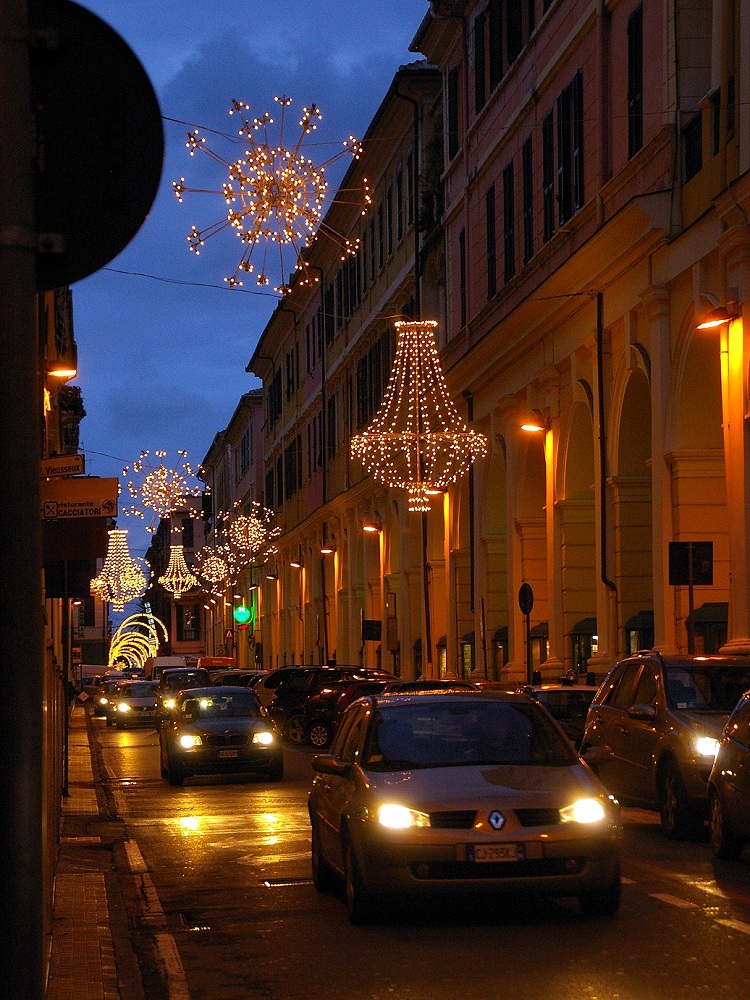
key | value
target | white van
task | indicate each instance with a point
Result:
(155, 664)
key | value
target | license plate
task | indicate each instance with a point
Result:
(228, 754)
(495, 852)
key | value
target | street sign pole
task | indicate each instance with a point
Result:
(526, 603)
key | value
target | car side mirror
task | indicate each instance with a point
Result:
(597, 756)
(646, 713)
(326, 763)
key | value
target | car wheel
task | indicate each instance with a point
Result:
(678, 819)
(319, 734)
(294, 729)
(601, 902)
(323, 876)
(175, 774)
(276, 771)
(359, 903)
(162, 763)
(109, 721)
(723, 842)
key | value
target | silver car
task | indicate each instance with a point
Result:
(448, 793)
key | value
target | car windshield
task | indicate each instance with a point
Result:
(455, 733)
(241, 704)
(185, 679)
(142, 690)
(706, 687)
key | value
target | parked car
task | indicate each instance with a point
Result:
(172, 680)
(436, 684)
(661, 718)
(460, 793)
(729, 786)
(241, 678)
(104, 692)
(219, 730)
(134, 703)
(294, 688)
(299, 676)
(567, 703)
(323, 709)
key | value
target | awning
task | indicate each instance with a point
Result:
(501, 635)
(468, 639)
(711, 613)
(643, 620)
(586, 626)
(540, 631)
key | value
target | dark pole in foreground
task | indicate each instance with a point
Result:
(21, 718)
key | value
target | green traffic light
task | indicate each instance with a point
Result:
(241, 614)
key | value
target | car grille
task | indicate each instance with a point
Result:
(538, 817)
(458, 819)
(535, 868)
(227, 739)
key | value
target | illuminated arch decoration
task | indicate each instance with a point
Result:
(417, 441)
(159, 489)
(122, 578)
(136, 639)
(275, 197)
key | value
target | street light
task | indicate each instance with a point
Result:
(720, 316)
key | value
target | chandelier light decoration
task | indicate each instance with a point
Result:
(178, 579)
(275, 196)
(159, 489)
(417, 441)
(137, 638)
(122, 579)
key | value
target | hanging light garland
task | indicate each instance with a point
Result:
(178, 578)
(159, 489)
(275, 196)
(417, 441)
(122, 578)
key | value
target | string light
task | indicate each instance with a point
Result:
(274, 196)
(178, 579)
(417, 441)
(122, 579)
(161, 489)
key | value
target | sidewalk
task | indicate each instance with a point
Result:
(91, 956)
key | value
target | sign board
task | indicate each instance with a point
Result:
(525, 598)
(371, 629)
(88, 496)
(62, 465)
(99, 137)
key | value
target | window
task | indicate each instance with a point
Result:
(527, 170)
(513, 28)
(452, 106)
(480, 91)
(331, 427)
(292, 467)
(462, 274)
(548, 176)
(389, 217)
(246, 452)
(280, 481)
(188, 532)
(292, 371)
(491, 243)
(399, 204)
(373, 262)
(692, 138)
(495, 12)
(274, 398)
(269, 496)
(509, 242)
(330, 315)
(410, 189)
(188, 622)
(635, 81)
(381, 236)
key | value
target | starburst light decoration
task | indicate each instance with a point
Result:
(178, 579)
(250, 533)
(159, 489)
(417, 441)
(122, 578)
(215, 569)
(275, 196)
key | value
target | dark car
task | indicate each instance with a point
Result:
(660, 718)
(300, 683)
(101, 701)
(134, 703)
(440, 794)
(219, 730)
(172, 680)
(240, 678)
(412, 687)
(567, 703)
(323, 710)
(729, 786)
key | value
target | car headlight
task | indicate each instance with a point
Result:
(168, 702)
(707, 746)
(583, 811)
(189, 740)
(264, 737)
(397, 817)
(123, 707)
(103, 701)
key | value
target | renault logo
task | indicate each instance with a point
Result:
(497, 820)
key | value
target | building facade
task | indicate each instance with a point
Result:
(564, 188)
